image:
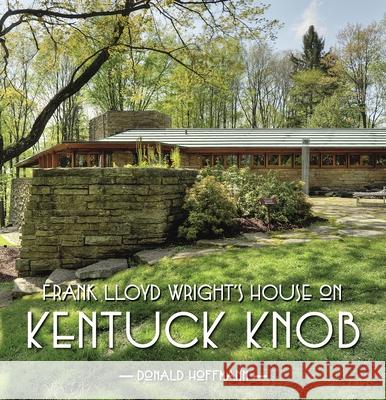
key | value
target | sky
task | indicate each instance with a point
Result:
(328, 16)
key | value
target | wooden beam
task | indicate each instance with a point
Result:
(306, 165)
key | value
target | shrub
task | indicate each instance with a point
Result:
(247, 188)
(211, 210)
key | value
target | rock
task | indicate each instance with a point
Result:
(320, 229)
(194, 253)
(27, 285)
(242, 243)
(255, 236)
(102, 269)
(359, 232)
(62, 277)
(152, 257)
(213, 242)
(295, 241)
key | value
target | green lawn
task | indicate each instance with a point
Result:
(5, 242)
(357, 264)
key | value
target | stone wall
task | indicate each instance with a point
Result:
(333, 178)
(77, 216)
(20, 188)
(113, 122)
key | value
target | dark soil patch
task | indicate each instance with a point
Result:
(8, 256)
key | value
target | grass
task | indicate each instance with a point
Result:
(357, 264)
(5, 242)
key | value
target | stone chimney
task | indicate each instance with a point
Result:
(113, 122)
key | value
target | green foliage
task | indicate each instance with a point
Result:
(313, 46)
(248, 187)
(211, 210)
(175, 157)
(310, 87)
(151, 156)
(336, 111)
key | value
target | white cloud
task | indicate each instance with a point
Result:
(309, 17)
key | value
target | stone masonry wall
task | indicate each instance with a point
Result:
(333, 178)
(20, 189)
(113, 122)
(78, 216)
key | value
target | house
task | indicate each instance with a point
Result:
(338, 158)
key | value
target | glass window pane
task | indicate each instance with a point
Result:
(218, 160)
(298, 160)
(381, 160)
(273, 159)
(246, 160)
(327, 159)
(122, 159)
(231, 160)
(65, 160)
(259, 160)
(108, 160)
(367, 160)
(355, 160)
(86, 160)
(206, 160)
(340, 160)
(286, 160)
(315, 159)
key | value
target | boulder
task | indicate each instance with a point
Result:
(27, 285)
(153, 256)
(195, 252)
(102, 269)
(62, 276)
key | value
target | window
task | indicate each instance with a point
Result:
(368, 160)
(286, 160)
(206, 160)
(86, 160)
(122, 159)
(65, 160)
(246, 160)
(218, 160)
(108, 160)
(259, 160)
(381, 161)
(327, 160)
(273, 159)
(340, 160)
(355, 160)
(298, 160)
(232, 160)
(315, 160)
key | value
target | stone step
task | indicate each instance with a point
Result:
(27, 285)
(102, 269)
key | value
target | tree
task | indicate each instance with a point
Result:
(103, 29)
(313, 51)
(266, 86)
(360, 50)
(310, 87)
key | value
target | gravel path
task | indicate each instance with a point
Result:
(8, 257)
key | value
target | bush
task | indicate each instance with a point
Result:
(247, 188)
(211, 210)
